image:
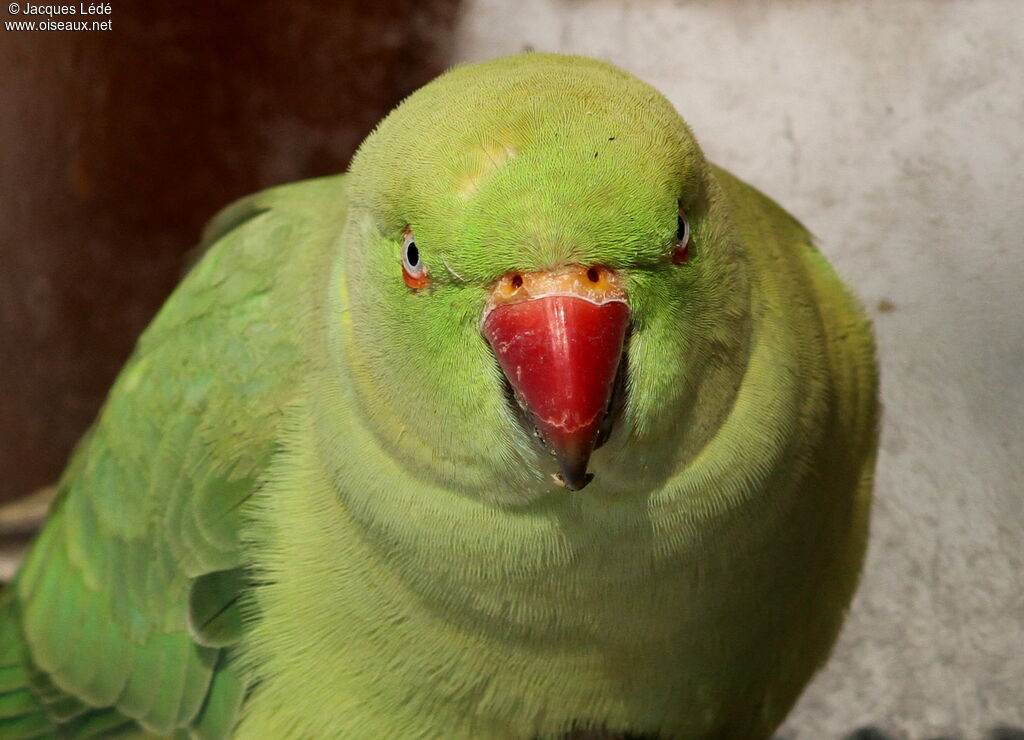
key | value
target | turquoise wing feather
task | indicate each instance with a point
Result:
(130, 601)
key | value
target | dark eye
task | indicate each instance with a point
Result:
(681, 250)
(414, 272)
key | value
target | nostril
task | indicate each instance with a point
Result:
(593, 275)
(517, 281)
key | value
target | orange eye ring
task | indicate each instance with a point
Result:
(416, 283)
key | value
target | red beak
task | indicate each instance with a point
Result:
(558, 336)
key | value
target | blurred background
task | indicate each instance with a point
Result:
(893, 130)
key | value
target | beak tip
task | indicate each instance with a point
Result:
(574, 482)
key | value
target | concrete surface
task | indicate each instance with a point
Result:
(894, 131)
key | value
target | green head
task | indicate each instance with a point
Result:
(531, 165)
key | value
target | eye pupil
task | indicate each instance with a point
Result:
(412, 254)
(680, 227)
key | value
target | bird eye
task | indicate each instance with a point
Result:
(414, 271)
(681, 250)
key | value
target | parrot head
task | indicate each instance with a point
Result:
(540, 282)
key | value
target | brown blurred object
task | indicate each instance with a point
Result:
(24, 516)
(20, 519)
(116, 146)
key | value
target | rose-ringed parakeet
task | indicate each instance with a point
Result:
(534, 424)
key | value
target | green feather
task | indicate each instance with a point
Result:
(149, 506)
(215, 613)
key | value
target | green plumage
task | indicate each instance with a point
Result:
(307, 509)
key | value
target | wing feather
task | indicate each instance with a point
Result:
(145, 531)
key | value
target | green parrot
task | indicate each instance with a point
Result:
(534, 424)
